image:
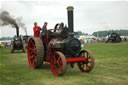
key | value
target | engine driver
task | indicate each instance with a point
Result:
(44, 28)
(36, 30)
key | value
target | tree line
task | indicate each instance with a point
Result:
(103, 33)
(106, 33)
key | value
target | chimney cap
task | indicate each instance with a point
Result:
(70, 8)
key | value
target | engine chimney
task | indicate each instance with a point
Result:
(70, 18)
(17, 31)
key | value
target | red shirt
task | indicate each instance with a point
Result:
(36, 30)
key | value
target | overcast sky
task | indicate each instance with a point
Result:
(89, 16)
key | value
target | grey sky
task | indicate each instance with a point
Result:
(89, 16)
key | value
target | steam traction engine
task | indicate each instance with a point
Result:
(18, 43)
(114, 38)
(60, 48)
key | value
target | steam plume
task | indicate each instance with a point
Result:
(7, 19)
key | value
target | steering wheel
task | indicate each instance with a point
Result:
(55, 28)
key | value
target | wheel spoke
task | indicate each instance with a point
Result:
(89, 61)
(34, 51)
(83, 54)
(87, 67)
(59, 64)
(33, 62)
(55, 59)
(35, 54)
(58, 61)
(32, 57)
(34, 47)
(32, 43)
(56, 68)
(87, 55)
(82, 65)
(61, 68)
(30, 48)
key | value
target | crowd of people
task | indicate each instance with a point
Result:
(4, 44)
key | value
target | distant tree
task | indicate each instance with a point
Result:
(78, 33)
(6, 38)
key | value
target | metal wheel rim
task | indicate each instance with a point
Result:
(86, 66)
(32, 53)
(58, 64)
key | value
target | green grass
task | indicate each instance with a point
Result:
(111, 68)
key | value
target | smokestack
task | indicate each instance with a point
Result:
(21, 24)
(70, 18)
(17, 31)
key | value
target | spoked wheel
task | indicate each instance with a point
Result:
(35, 52)
(88, 64)
(58, 64)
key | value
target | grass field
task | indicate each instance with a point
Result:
(111, 68)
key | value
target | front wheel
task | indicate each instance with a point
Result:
(58, 64)
(88, 64)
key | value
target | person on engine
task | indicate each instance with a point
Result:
(44, 28)
(36, 30)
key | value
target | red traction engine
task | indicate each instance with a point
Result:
(60, 48)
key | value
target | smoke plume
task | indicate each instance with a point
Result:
(21, 24)
(7, 19)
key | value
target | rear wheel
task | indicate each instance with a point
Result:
(88, 64)
(35, 52)
(58, 64)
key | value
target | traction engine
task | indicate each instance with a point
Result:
(114, 38)
(17, 43)
(60, 48)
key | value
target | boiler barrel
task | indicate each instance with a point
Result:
(70, 18)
